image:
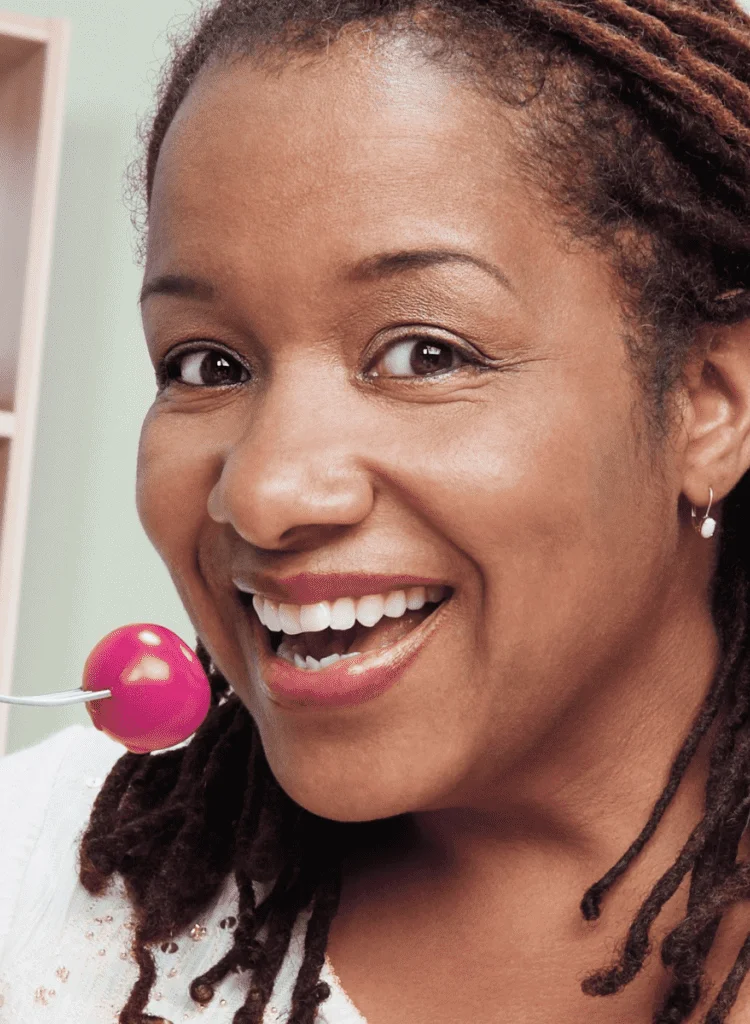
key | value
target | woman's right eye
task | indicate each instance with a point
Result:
(201, 367)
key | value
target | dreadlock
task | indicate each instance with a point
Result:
(636, 118)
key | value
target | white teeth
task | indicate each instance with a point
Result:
(285, 651)
(314, 617)
(370, 609)
(416, 598)
(395, 604)
(289, 619)
(309, 663)
(267, 611)
(272, 616)
(344, 612)
(329, 660)
(269, 614)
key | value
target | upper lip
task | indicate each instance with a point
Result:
(309, 587)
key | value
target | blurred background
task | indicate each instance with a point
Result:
(88, 564)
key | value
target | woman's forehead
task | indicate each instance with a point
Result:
(322, 165)
(346, 138)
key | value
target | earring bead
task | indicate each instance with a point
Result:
(707, 525)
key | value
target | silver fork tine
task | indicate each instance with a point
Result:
(52, 700)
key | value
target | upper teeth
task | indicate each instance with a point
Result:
(343, 612)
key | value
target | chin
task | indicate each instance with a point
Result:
(340, 793)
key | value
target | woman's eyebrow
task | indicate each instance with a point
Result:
(384, 264)
(177, 284)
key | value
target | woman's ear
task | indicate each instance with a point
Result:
(716, 412)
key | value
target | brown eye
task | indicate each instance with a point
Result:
(418, 357)
(205, 367)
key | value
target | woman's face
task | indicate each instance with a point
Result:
(475, 424)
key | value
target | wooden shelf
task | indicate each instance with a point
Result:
(33, 63)
(7, 424)
(17, 28)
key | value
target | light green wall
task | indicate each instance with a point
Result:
(89, 566)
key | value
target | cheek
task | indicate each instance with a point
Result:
(544, 491)
(526, 476)
(172, 487)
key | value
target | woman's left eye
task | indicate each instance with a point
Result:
(201, 367)
(419, 357)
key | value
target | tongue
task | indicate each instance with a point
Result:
(358, 638)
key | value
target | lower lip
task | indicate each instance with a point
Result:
(349, 681)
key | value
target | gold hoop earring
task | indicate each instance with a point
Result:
(707, 524)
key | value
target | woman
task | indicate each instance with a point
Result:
(448, 308)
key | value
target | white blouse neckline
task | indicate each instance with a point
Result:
(64, 954)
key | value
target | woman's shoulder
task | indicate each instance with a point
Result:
(79, 744)
(68, 952)
(46, 793)
(70, 764)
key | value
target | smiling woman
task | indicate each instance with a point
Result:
(448, 305)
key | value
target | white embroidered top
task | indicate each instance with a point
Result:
(65, 955)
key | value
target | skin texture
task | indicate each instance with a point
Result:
(531, 737)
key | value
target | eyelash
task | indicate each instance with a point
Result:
(174, 358)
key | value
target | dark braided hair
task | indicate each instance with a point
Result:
(634, 116)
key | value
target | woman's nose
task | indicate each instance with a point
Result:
(296, 472)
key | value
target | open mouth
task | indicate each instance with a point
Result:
(315, 636)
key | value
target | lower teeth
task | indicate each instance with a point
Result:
(294, 658)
